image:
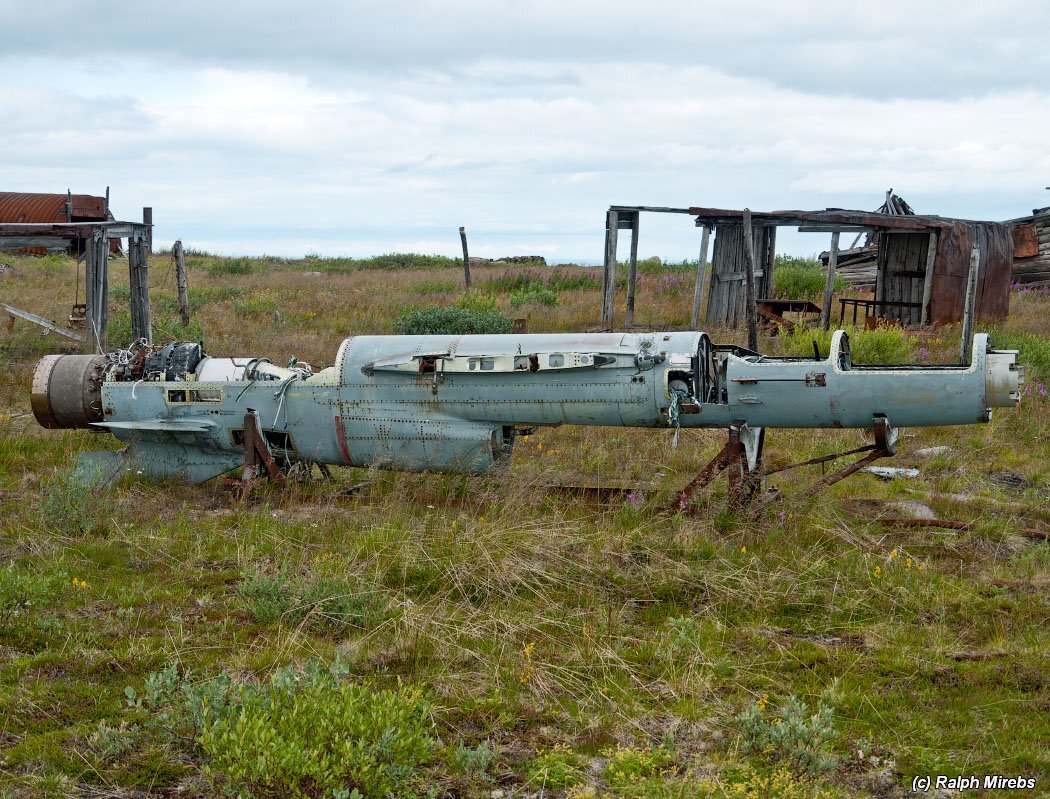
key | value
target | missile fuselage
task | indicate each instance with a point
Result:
(456, 403)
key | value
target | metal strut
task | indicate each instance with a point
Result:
(742, 455)
(257, 456)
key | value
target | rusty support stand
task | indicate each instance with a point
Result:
(257, 456)
(742, 455)
(745, 477)
(884, 447)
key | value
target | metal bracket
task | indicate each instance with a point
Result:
(257, 456)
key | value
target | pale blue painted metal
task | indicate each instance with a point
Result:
(456, 403)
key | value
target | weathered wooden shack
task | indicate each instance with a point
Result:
(1031, 244)
(926, 264)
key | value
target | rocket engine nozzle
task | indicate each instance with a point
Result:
(67, 390)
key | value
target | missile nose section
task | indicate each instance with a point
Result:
(67, 390)
(1003, 379)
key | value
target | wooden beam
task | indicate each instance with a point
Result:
(632, 277)
(39, 320)
(971, 294)
(829, 284)
(138, 275)
(749, 278)
(701, 273)
(927, 285)
(612, 231)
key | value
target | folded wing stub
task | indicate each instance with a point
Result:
(457, 403)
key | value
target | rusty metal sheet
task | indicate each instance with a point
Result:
(31, 207)
(1026, 245)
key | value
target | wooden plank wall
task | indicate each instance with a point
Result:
(952, 266)
(901, 276)
(1035, 268)
(726, 297)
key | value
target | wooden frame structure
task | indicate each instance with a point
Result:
(96, 237)
(931, 269)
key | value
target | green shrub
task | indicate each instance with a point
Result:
(231, 266)
(436, 286)
(69, 507)
(628, 769)
(1033, 349)
(440, 320)
(555, 769)
(883, 345)
(533, 296)
(801, 278)
(326, 605)
(792, 735)
(482, 303)
(267, 598)
(22, 592)
(298, 735)
(253, 307)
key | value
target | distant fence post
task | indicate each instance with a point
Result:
(466, 256)
(180, 282)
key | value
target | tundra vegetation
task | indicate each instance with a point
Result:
(498, 636)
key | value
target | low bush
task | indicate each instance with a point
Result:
(69, 507)
(1033, 350)
(230, 266)
(535, 295)
(801, 278)
(298, 735)
(325, 605)
(792, 735)
(441, 320)
(883, 345)
(23, 592)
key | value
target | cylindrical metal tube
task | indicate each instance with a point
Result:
(67, 390)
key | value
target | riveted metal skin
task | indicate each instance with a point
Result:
(457, 403)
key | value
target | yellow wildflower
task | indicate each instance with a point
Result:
(878, 571)
(743, 550)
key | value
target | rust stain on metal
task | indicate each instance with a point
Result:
(27, 207)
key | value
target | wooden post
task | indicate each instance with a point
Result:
(749, 279)
(96, 289)
(466, 257)
(701, 273)
(147, 220)
(927, 285)
(138, 275)
(971, 295)
(612, 231)
(69, 205)
(180, 282)
(632, 277)
(829, 284)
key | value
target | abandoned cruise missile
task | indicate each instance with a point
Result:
(456, 403)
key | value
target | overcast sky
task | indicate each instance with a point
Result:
(349, 128)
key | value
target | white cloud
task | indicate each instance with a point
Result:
(386, 128)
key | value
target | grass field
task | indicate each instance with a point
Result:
(498, 637)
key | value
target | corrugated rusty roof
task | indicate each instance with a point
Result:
(27, 207)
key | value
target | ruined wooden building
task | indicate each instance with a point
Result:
(83, 226)
(929, 269)
(1031, 240)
